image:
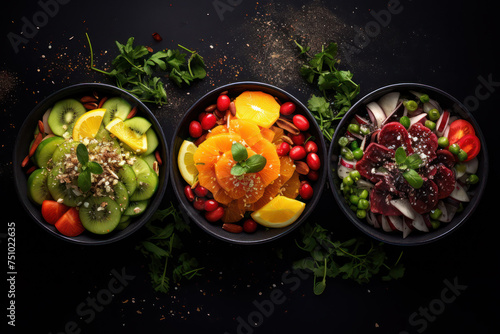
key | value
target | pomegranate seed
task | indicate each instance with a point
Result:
(301, 122)
(249, 226)
(287, 108)
(195, 129)
(189, 193)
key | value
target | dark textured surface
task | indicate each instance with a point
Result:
(449, 45)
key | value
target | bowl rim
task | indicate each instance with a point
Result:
(319, 184)
(19, 174)
(421, 238)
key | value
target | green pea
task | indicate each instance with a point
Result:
(435, 224)
(346, 189)
(346, 153)
(433, 114)
(472, 179)
(354, 145)
(357, 153)
(455, 149)
(343, 141)
(354, 199)
(443, 142)
(353, 207)
(364, 129)
(364, 194)
(424, 98)
(353, 128)
(348, 181)
(405, 121)
(430, 124)
(411, 105)
(363, 204)
(462, 155)
(361, 214)
(355, 175)
(435, 214)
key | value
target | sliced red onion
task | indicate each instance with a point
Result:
(377, 115)
(389, 102)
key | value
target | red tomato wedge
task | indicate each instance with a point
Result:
(458, 129)
(52, 211)
(69, 224)
(471, 144)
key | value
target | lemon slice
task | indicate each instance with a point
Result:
(281, 211)
(139, 144)
(87, 125)
(185, 161)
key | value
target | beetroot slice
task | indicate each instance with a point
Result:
(380, 201)
(394, 135)
(378, 153)
(423, 141)
(425, 198)
(445, 157)
(445, 181)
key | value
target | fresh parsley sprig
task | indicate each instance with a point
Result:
(408, 164)
(337, 87)
(86, 169)
(164, 249)
(357, 258)
(134, 68)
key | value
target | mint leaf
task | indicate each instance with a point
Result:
(238, 170)
(400, 156)
(239, 152)
(94, 167)
(413, 178)
(84, 182)
(82, 154)
(255, 163)
(414, 161)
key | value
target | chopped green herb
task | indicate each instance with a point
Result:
(87, 168)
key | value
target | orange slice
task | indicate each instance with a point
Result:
(217, 130)
(258, 107)
(233, 212)
(287, 168)
(209, 152)
(87, 125)
(269, 193)
(272, 170)
(290, 189)
(279, 212)
(248, 130)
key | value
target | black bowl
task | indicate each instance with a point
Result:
(261, 235)
(415, 238)
(25, 136)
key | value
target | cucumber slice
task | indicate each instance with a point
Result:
(147, 181)
(100, 215)
(46, 149)
(135, 208)
(37, 186)
(152, 141)
(150, 158)
(70, 196)
(128, 178)
(139, 125)
(115, 107)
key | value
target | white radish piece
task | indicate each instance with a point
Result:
(442, 123)
(420, 118)
(459, 193)
(419, 223)
(377, 115)
(404, 206)
(444, 212)
(389, 102)
(395, 222)
(471, 166)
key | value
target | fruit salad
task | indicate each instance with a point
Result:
(407, 164)
(249, 161)
(93, 165)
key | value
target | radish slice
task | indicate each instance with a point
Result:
(395, 222)
(472, 166)
(383, 222)
(343, 171)
(377, 115)
(400, 109)
(420, 118)
(389, 102)
(407, 227)
(445, 218)
(459, 193)
(404, 206)
(442, 123)
(347, 163)
(419, 223)
(417, 94)
(361, 120)
(370, 217)
(45, 120)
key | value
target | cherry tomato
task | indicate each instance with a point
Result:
(311, 147)
(211, 205)
(199, 204)
(283, 149)
(188, 192)
(249, 225)
(306, 191)
(200, 191)
(313, 161)
(195, 129)
(213, 216)
(208, 121)
(301, 122)
(471, 145)
(298, 153)
(223, 102)
(287, 108)
(458, 129)
(298, 139)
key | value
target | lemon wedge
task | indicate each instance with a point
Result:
(281, 211)
(87, 125)
(185, 161)
(139, 144)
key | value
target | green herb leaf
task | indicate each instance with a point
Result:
(413, 178)
(94, 167)
(84, 181)
(82, 154)
(238, 170)
(400, 155)
(414, 161)
(239, 152)
(255, 163)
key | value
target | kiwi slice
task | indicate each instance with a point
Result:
(71, 196)
(139, 125)
(150, 159)
(46, 149)
(120, 195)
(115, 107)
(135, 208)
(124, 223)
(128, 178)
(100, 215)
(64, 115)
(152, 141)
(147, 181)
(37, 186)
(67, 147)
